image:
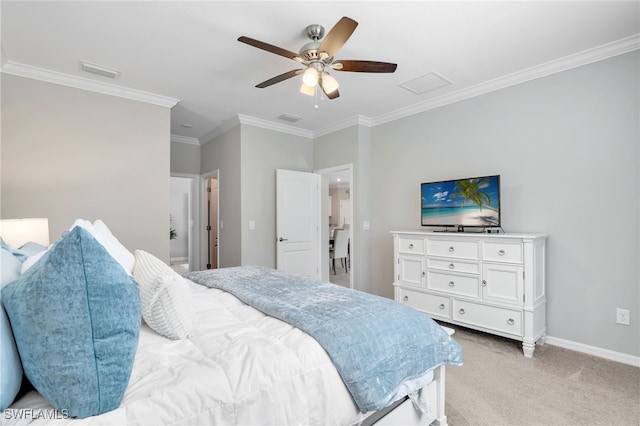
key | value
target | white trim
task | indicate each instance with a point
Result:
(270, 125)
(36, 73)
(256, 122)
(593, 350)
(185, 139)
(585, 57)
(359, 120)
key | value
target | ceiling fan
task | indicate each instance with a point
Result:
(318, 56)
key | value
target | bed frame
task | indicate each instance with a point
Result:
(403, 412)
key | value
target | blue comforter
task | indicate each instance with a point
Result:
(375, 343)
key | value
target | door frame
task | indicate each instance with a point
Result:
(202, 190)
(193, 237)
(324, 221)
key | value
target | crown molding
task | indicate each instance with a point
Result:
(270, 125)
(358, 120)
(185, 139)
(36, 73)
(598, 53)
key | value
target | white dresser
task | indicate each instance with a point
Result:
(489, 282)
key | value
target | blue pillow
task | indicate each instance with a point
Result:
(10, 366)
(76, 319)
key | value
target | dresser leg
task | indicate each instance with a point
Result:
(528, 348)
(542, 339)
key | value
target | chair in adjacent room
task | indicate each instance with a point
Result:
(340, 249)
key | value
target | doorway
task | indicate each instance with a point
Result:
(210, 236)
(183, 241)
(339, 210)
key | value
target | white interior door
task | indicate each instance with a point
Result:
(298, 222)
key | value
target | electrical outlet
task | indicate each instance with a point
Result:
(622, 316)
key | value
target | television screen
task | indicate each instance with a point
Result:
(473, 202)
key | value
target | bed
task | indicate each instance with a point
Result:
(227, 362)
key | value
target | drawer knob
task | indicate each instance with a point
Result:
(484, 283)
(461, 311)
(410, 246)
(441, 306)
(423, 274)
(511, 321)
(501, 252)
(452, 266)
(451, 249)
(406, 298)
(451, 283)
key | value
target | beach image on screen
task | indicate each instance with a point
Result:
(464, 202)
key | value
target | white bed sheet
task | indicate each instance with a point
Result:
(240, 367)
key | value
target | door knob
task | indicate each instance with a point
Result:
(283, 239)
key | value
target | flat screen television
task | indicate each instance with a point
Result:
(460, 203)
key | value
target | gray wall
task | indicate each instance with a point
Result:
(69, 153)
(263, 152)
(352, 146)
(185, 158)
(566, 147)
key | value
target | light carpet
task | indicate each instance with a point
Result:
(499, 386)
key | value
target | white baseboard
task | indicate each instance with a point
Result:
(593, 350)
(178, 259)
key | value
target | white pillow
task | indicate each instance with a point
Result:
(165, 297)
(113, 246)
(83, 223)
(30, 261)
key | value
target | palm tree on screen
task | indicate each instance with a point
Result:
(472, 190)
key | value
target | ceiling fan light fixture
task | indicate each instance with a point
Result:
(310, 77)
(308, 90)
(329, 83)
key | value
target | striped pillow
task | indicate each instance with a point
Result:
(165, 297)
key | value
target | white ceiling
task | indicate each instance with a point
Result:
(188, 51)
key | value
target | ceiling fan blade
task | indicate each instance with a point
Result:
(364, 66)
(338, 36)
(279, 78)
(268, 47)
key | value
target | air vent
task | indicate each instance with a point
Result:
(100, 70)
(290, 118)
(426, 83)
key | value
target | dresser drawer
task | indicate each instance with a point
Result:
(454, 249)
(492, 317)
(454, 284)
(411, 245)
(434, 305)
(508, 251)
(454, 265)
